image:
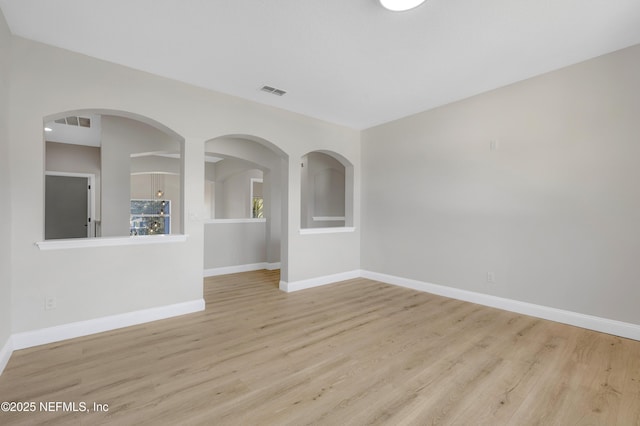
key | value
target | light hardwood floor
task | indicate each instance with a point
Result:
(358, 352)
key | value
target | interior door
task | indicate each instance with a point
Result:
(66, 207)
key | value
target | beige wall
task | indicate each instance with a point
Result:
(104, 281)
(553, 212)
(5, 189)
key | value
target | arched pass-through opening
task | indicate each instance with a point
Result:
(246, 186)
(326, 190)
(135, 167)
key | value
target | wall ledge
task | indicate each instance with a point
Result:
(328, 218)
(239, 220)
(332, 230)
(74, 243)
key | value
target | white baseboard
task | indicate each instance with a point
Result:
(272, 266)
(224, 270)
(5, 354)
(318, 281)
(604, 325)
(43, 336)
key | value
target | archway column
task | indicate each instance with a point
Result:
(193, 199)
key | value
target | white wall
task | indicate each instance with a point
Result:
(5, 190)
(155, 163)
(102, 281)
(553, 212)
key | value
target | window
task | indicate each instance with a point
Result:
(257, 199)
(150, 217)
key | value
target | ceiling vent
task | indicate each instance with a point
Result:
(273, 90)
(75, 121)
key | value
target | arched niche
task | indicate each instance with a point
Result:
(326, 190)
(123, 156)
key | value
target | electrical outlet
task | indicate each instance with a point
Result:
(494, 145)
(491, 277)
(50, 303)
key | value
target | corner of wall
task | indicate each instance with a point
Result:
(5, 353)
(5, 194)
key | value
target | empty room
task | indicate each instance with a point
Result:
(329, 212)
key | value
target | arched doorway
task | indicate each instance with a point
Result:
(242, 170)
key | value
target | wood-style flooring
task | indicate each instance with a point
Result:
(353, 353)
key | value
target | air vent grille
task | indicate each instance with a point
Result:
(75, 121)
(273, 90)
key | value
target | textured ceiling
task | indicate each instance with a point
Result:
(348, 62)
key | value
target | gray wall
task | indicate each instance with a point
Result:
(553, 212)
(231, 244)
(209, 190)
(141, 185)
(241, 154)
(122, 137)
(166, 173)
(322, 191)
(5, 188)
(62, 157)
(235, 194)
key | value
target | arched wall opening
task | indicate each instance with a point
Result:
(242, 171)
(326, 190)
(133, 168)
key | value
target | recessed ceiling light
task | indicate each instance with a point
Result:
(400, 5)
(48, 129)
